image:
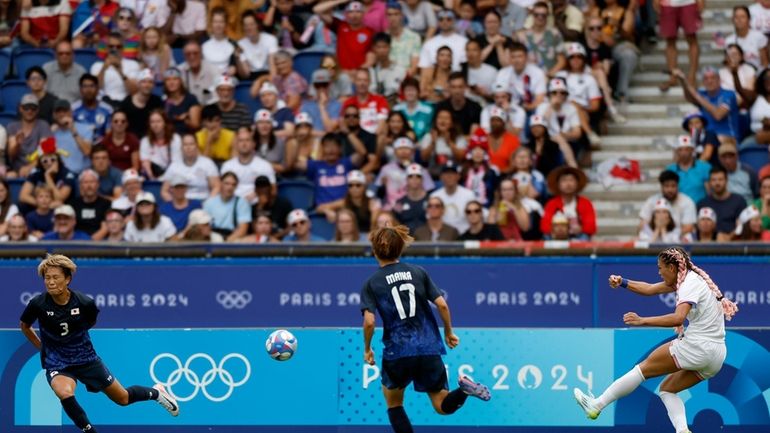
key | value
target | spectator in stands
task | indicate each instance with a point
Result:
(323, 109)
(516, 115)
(544, 45)
(526, 82)
(706, 228)
(263, 230)
(199, 76)
(559, 228)
(40, 220)
(300, 227)
(140, 104)
(340, 83)
(117, 74)
(760, 113)
(454, 196)
(290, 84)
(692, 172)
(90, 208)
(283, 117)
(36, 82)
(88, 34)
(395, 127)
(186, 22)
(749, 227)
(410, 209)
(148, 225)
(89, 109)
(127, 28)
(583, 91)
(346, 228)
(269, 147)
(44, 23)
(153, 13)
(385, 76)
(374, 15)
(64, 226)
(393, 175)
(618, 34)
(599, 59)
(502, 143)
(530, 181)
(121, 144)
(74, 139)
(17, 231)
(760, 10)
(682, 207)
(509, 212)
(466, 113)
(752, 42)
(110, 178)
(285, 21)
(561, 116)
(24, 136)
(214, 141)
(418, 113)
(219, 50)
(63, 73)
(160, 147)
(154, 53)
(434, 80)
(303, 144)
(179, 207)
(49, 170)
(7, 207)
(199, 229)
(405, 43)
(447, 36)
(385, 219)
(481, 76)
(200, 172)
(354, 39)
(115, 225)
(738, 76)
(233, 11)
(234, 113)
(247, 166)
(132, 189)
(763, 202)
(673, 15)
(704, 140)
(3, 148)
(269, 203)
(351, 125)
(435, 229)
(566, 183)
(444, 143)
(478, 230)
(230, 213)
(9, 19)
(727, 205)
(493, 41)
(373, 108)
(182, 107)
(661, 226)
(420, 17)
(741, 179)
(257, 48)
(719, 106)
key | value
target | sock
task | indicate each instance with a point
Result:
(77, 414)
(675, 408)
(399, 421)
(141, 393)
(453, 401)
(621, 387)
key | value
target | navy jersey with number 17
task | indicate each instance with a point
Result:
(401, 295)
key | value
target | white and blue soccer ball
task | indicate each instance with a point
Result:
(281, 345)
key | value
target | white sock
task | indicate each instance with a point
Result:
(675, 407)
(621, 387)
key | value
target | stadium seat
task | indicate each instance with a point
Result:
(6, 118)
(242, 95)
(307, 62)
(178, 55)
(5, 62)
(153, 186)
(15, 186)
(26, 58)
(321, 227)
(12, 91)
(755, 156)
(298, 192)
(86, 57)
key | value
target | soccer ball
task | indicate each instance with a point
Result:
(281, 345)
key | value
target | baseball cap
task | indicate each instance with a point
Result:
(684, 141)
(537, 120)
(267, 87)
(296, 215)
(303, 118)
(145, 196)
(414, 170)
(198, 217)
(393, 5)
(172, 72)
(708, 213)
(321, 76)
(178, 179)
(450, 166)
(354, 7)
(692, 115)
(725, 148)
(263, 116)
(501, 88)
(64, 210)
(403, 142)
(746, 215)
(145, 74)
(61, 104)
(575, 49)
(496, 111)
(479, 138)
(559, 218)
(356, 176)
(557, 84)
(130, 175)
(662, 204)
(29, 99)
(224, 80)
(445, 13)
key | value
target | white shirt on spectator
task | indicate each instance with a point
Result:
(114, 86)
(517, 117)
(759, 110)
(161, 155)
(149, 13)
(421, 18)
(441, 145)
(218, 53)
(582, 87)
(531, 81)
(164, 230)
(752, 45)
(12, 210)
(248, 173)
(192, 20)
(197, 174)
(454, 41)
(760, 18)
(483, 77)
(256, 54)
(746, 73)
(201, 85)
(683, 209)
(454, 206)
(568, 114)
(672, 237)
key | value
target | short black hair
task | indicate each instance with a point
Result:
(332, 137)
(35, 69)
(668, 175)
(457, 75)
(98, 148)
(211, 112)
(717, 169)
(515, 46)
(381, 37)
(89, 77)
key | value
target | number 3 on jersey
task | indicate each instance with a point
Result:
(406, 287)
(65, 328)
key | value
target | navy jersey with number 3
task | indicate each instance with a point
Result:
(401, 294)
(63, 329)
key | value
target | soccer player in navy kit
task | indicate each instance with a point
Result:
(401, 294)
(66, 352)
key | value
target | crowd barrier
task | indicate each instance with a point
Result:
(225, 382)
(482, 292)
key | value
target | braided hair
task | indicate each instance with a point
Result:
(678, 256)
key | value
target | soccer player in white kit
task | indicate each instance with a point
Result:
(696, 355)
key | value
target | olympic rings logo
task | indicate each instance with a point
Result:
(25, 297)
(234, 299)
(201, 382)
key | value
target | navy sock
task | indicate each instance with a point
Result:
(399, 421)
(77, 414)
(453, 401)
(141, 393)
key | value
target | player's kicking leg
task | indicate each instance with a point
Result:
(448, 402)
(64, 388)
(136, 393)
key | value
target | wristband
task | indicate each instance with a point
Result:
(624, 283)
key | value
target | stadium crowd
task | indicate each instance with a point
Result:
(464, 120)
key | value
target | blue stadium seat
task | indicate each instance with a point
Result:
(12, 91)
(242, 95)
(755, 156)
(178, 54)
(298, 192)
(321, 227)
(86, 57)
(5, 63)
(15, 186)
(6, 118)
(26, 58)
(153, 186)
(307, 62)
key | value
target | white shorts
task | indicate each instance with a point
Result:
(705, 358)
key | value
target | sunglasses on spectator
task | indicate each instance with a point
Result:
(48, 160)
(299, 223)
(559, 92)
(320, 85)
(595, 28)
(115, 47)
(125, 17)
(473, 211)
(29, 107)
(64, 53)
(355, 185)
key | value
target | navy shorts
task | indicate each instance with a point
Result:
(94, 375)
(427, 372)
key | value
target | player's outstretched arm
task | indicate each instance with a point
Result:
(640, 287)
(30, 333)
(368, 334)
(443, 310)
(674, 319)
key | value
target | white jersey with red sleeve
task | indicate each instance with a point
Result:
(706, 318)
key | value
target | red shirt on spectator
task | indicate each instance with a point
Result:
(585, 214)
(373, 110)
(120, 156)
(352, 45)
(44, 20)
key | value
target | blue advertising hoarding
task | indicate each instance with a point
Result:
(226, 383)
